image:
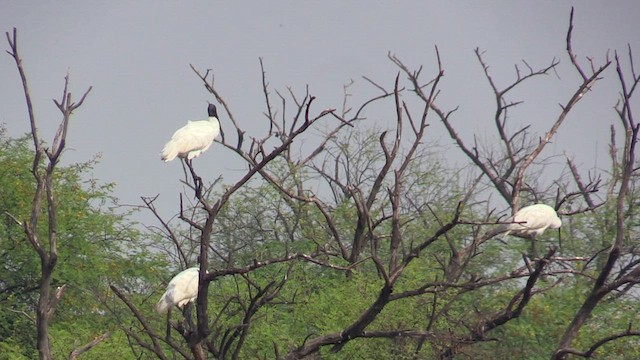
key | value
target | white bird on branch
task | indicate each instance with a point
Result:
(530, 222)
(193, 139)
(182, 289)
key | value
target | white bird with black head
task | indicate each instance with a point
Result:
(182, 289)
(530, 222)
(193, 139)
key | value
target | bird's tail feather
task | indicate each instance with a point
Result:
(169, 152)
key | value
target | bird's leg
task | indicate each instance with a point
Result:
(188, 309)
(533, 253)
(169, 324)
(197, 180)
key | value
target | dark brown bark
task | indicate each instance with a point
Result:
(44, 173)
(603, 284)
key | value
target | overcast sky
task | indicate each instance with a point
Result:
(136, 55)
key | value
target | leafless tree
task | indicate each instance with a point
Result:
(224, 342)
(384, 212)
(621, 269)
(391, 227)
(43, 169)
(506, 172)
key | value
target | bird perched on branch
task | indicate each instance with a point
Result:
(193, 139)
(531, 221)
(182, 289)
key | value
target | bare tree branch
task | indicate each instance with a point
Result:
(44, 174)
(88, 346)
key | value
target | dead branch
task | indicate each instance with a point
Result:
(601, 287)
(44, 194)
(88, 346)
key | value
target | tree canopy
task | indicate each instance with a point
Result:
(366, 242)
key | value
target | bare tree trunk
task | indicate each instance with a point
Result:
(198, 352)
(604, 283)
(43, 172)
(42, 318)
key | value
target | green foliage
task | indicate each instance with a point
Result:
(99, 246)
(94, 248)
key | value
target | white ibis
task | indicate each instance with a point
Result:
(532, 221)
(182, 289)
(193, 139)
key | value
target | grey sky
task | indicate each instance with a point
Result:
(136, 55)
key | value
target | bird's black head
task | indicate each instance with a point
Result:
(213, 112)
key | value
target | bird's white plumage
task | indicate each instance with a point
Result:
(192, 139)
(182, 289)
(532, 221)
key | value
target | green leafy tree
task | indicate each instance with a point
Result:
(366, 243)
(93, 252)
(62, 242)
